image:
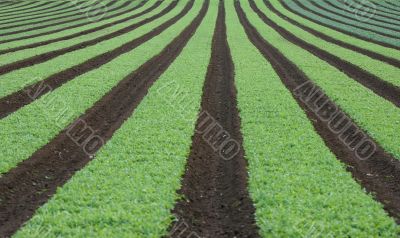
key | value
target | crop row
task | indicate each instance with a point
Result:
(305, 9)
(25, 32)
(96, 36)
(297, 184)
(137, 77)
(360, 103)
(140, 168)
(32, 40)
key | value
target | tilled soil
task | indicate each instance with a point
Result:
(370, 23)
(346, 9)
(340, 43)
(15, 101)
(216, 201)
(382, 88)
(339, 29)
(85, 32)
(18, 14)
(98, 11)
(343, 21)
(25, 7)
(379, 174)
(56, 12)
(108, 16)
(37, 59)
(381, 8)
(29, 185)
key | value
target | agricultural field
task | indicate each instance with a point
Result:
(199, 118)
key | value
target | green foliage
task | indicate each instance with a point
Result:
(347, 28)
(69, 31)
(70, 6)
(33, 126)
(17, 12)
(298, 186)
(18, 79)
(340, 7)
(20, 8)
(361, 104)
(384, 71)
(19, 55)
(337, 35)
(128, 190)
(48, 29)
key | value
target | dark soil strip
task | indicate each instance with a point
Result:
(345, 7)
(380, 174)
(354, 18)
(339, 29)
(16, 5)
(37, 59)
(321, 35)
(28, 186)
(322, 7)
(78, 9)
(108, 16)
(85, 32)
(216, 202)
(36, 8)
(381, 9)
(98, 12)
(61, 11)
(24, 7)
(382, 88)
(44, 12)
(344, 22)
(14, 101)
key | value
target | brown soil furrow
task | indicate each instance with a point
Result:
(16, 100)
(97, 10)
(37, 59)
(23, 7)
(338, 29)
(345, 8)
(343, 21)
(108, 16)
(342, 8)
(43, 13)
(379, 174)
(377, 85)
(81, 33)
(67, 9)
(321, 35)
(28, 186)
(322, 7)
(216, 202)
(36, 8)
